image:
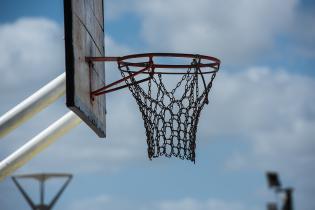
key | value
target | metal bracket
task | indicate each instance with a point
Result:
(110, 87)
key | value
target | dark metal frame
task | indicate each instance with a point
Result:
(274, 183)
(42, 205)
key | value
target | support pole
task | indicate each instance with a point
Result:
(42, 192)
(38, 144)
(32, 105)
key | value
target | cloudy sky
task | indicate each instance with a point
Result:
(261, 114)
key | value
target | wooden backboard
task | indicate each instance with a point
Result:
(84, 37)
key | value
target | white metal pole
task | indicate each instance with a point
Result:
(33, 104)
(38, 144)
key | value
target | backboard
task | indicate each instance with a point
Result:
(84, 37)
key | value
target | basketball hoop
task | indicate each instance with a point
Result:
(170, 89)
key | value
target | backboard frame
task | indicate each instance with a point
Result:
(84, 37)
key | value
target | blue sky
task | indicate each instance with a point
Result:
(260, 117)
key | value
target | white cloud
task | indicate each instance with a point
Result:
(115, 9)
(259, 99)
(233, 31)
(104, 201)
(194, 204)
(31, 49)
(31, 54)
(239, 32)
(113, 48)
(271, 111)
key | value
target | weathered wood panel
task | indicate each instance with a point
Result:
(84, 37)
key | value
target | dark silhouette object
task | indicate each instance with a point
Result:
(42, 178)
(274, 182)
(272, 206)
(288, 200)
